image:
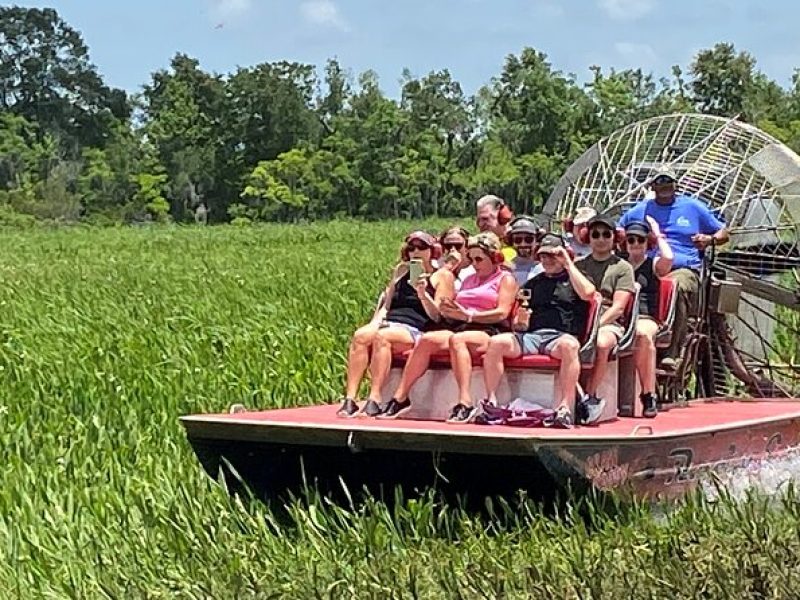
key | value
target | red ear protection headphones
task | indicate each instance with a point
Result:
(432, 242)
(504, 214)
(581, 233)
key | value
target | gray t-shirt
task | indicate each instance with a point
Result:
(608, 276)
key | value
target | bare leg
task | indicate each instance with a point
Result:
(500, 347)
(644, 354)
(358, 357)
(461, 345)
(388, 340)
(606, 341)
(566, 350)
(430, 343)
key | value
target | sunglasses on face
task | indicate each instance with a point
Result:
(453, 245)
(522, 239)
(476, 258)
(419, 247)
(605, 234)
(663, 181)
(635, 239)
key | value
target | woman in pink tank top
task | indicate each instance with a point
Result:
(479, 310)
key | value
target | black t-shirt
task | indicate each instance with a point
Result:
(555, 304)
(406, 307)
(648, 296)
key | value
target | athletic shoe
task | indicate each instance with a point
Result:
(649, 404)
(562, 419)
(394, 408)
(462, 414)
(593, 409)
(348, 408)
(372, 408)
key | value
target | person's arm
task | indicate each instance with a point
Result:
(712, 229)
(662, 264)
(442, 281)
(580, 283)
(383, 307)
(507, 295)
(617, 309)
(624, 287)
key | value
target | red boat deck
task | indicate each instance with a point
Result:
(319, 424)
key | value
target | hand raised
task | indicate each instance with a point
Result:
(654, 226)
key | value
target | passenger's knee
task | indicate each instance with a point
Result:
(569, 346)
(456, 343)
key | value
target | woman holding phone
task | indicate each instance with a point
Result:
(408, 307)
(480, 309)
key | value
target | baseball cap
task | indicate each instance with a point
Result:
(550, 242)
(637, 228)
(421, 236)
(523, 224)
(602, 220)
(665, 173)
(583, 214)
(486, 241)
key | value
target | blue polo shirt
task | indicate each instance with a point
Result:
(679, 221)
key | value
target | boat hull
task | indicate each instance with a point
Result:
(278, 452)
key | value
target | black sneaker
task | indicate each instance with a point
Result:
(348, 408)
(590, 409)
(394, 408)
(462, 414)
(649, 404)
(372, 408)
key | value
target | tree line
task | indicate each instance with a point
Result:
(284, 141)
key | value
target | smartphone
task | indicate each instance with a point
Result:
(414, 270)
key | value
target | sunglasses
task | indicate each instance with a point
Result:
(605, 234)
(663, 181)
(476, 258)
(453, 245)
(418, 247)
(636, 239)
(522, 239)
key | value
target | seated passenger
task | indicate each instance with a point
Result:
(480, 310)
(690, 226)
(556, 319)
(454, 245)
(522, 235)
(647, 272)
(408, 309)
(613, 278)
(573, 226)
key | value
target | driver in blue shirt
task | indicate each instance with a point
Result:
(689, 226)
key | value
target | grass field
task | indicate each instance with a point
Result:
(107, 336)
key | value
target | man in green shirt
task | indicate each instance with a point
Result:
(613, 278)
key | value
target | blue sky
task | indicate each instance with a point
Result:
(128, 40)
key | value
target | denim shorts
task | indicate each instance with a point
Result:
(415, 333)
(540, 341)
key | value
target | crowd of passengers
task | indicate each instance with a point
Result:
(514, 289)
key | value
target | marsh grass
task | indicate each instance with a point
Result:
(107, 336)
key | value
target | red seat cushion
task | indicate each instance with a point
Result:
(533, 361)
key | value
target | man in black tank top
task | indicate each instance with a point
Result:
(552, 325)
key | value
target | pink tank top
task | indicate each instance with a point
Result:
(480, 295)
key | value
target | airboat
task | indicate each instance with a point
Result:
(731, 404)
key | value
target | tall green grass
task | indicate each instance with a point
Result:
(107, 336)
